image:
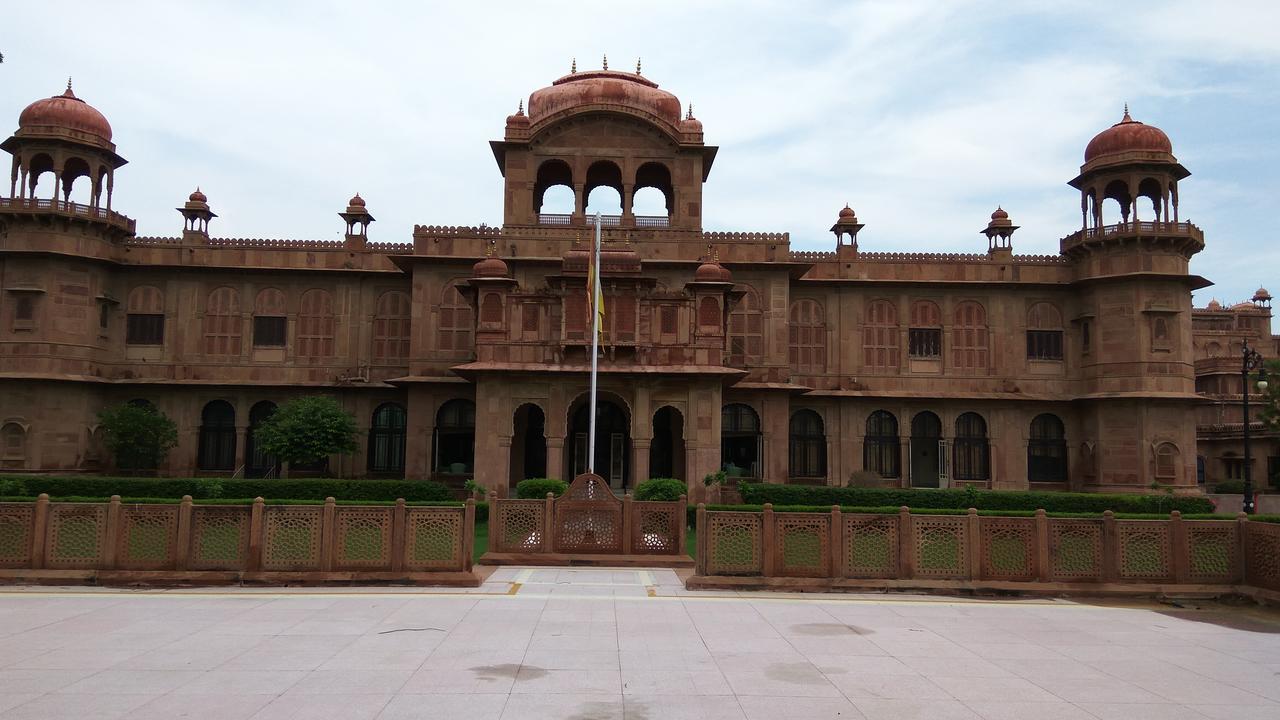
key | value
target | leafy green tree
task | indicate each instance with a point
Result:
(138, 436)
(308, 429)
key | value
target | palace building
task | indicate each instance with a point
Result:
(464, 351)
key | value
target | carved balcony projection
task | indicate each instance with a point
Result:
(1137, 229)
(38, 206)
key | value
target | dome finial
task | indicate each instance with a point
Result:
(520, 107)
(573, 67)
(637, 66)
(68, 82)
(689, 115)
(606, 61)
(1126, 114)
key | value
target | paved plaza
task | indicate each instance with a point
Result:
(600, 644)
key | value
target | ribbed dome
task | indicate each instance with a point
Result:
(1000, 214)
(65, 111)
(356, 201)
(604, 87)
(198, 197)
(1214, 305)
(1128, 135)
(490, 267)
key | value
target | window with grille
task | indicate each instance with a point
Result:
(387, 440)
(1167, 461)
(222, 323)
(392, 327)
(530, 320)
(924, 337)
(144, 329)
(1044, 344)
(575, 315)
(1084, 336)
(316, 325)
(24, 310)
(746, 331)
(104, 316)
(269, 331)
(1234, 467)
(709, 313)
(13, 444)
(972, 452)
(620, 319)
(1047, 450)
(808, 337)
(880, 337)
(881, 447)
(969, 337)
(808, 445)
(669, 319)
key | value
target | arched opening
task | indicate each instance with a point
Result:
(74, 169)
(1118, 191)
(387, 440)
(881, 449)
(1151, 189)
(553, 190)
(971, 448)
(528, 444)
(926, 450)
(666, 453)
(1047, 450)
(454, 440)
(39, 164)
(1166, 465)
(96, 450)
(217, 450)
(654, 196)
(808, 448)
(741, 442)
(258, 463)
(604, 190)
(613, 441)
(13, 446)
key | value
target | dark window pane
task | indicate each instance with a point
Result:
(269, 331)
(925, 342)
(144, 329)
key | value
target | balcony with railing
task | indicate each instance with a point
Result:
(642, 221)
(42, 206)
(1131, 229)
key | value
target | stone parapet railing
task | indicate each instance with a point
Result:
(184, 543)
(69, 209)
(1039, 554)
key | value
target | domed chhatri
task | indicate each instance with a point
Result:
(1261, 295)
(198, 197)
(711, 270)
(64, 112)
(690, 124)
(1128, 135)
(605, 87)
(1214, 305)
(356, 201)
(519, 118)
(847, 212)
(1000, 214)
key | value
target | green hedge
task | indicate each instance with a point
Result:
(537, 488)
(760, 493)
(208, 488)
(893, 510)
(660, 489)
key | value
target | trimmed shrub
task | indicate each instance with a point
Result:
(660, 489)
(537, 488)
(760, 493)
(209, 488)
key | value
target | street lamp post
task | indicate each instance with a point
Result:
(1250, 360)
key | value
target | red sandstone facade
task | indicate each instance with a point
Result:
(464, 352)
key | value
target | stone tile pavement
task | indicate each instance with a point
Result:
(601, 644)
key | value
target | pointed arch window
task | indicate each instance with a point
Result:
(881, 450)
(972, 450)
(808, 446)
(1047, 450)
(387, 440)
(1167, 461)
(13, 446)
(217, 437)
(455, 437)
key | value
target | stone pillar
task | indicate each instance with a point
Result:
(640, 460)
(242, 445)
(555, 457)
(420, 423)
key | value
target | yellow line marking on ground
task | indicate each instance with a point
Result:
(515, 588)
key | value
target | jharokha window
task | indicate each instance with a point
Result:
(456, 324)
(144, 322)
(222, 323)
(808, 337)
(880, 337)
(746, 335)
(391, 324)
(1044, 332)
(620, 319)
(270, 323)
(316, 325)
(924, 338)
(969, 337)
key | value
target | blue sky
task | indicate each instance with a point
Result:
(922, 115)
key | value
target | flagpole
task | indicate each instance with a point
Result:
(593, 296)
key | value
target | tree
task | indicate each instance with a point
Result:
(308, 429)
(138, 436)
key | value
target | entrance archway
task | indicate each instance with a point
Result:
(613, 441)
(740, 441)
(926, 440)
(666, 453)
(528, 444)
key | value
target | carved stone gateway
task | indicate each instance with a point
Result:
(588, 518)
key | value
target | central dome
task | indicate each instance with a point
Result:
(605, 87)
(1128, 135)
(65, 111)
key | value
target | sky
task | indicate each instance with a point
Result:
(922, 115)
